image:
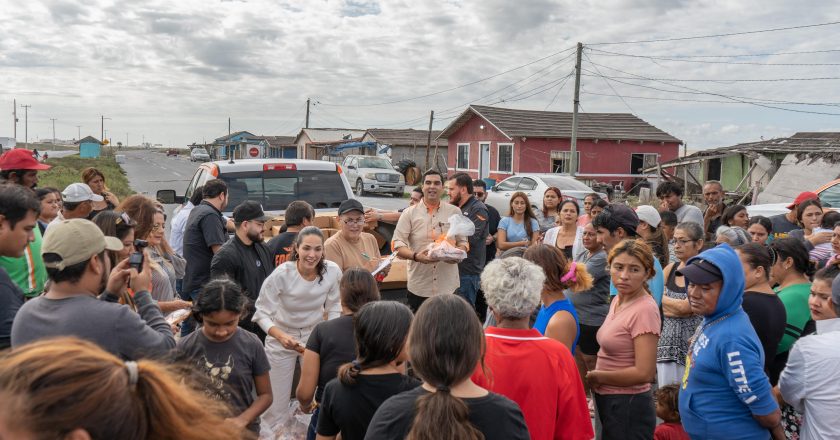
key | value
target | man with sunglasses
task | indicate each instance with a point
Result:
(618, 222)
(245, 258)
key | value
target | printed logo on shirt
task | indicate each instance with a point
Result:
(218, 373)
(739, 375)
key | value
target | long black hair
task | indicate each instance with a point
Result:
(380, 329)
(794, 249)
(220, 294)
(321, 268)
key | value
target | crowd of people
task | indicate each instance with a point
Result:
(578, 320)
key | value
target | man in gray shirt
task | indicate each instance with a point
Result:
(670, 193)
(79, 270)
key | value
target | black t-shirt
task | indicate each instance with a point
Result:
(281, 247)
(493, 225)
(497, 417)
(11, 299)
(334, 342)
(781, 226)
(230, 367)
(767, 315)
(204, 229)
(348, 409)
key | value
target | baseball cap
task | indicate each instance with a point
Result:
(701, 271)
(79, 192)
(803, 196)
(649, 215)
(75, 241)
(249, 210)
(350, 205)
(21, 159)
(624, 216)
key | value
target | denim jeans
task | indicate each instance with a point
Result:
(313, 426)
(469, 288)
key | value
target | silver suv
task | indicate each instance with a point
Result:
(199, 154)
(373, 174)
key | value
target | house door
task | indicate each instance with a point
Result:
(484, 161)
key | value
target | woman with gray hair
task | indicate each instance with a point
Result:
(512, 289)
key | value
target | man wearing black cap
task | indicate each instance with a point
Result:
(618, 222)
(351, 246)
(245, 258)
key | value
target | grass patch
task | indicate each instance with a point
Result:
(67, 170)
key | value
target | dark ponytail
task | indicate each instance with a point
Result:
(380, 329)
(220, 294)
(446, 343)
(793, 248)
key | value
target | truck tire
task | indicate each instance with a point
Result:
(360, 188)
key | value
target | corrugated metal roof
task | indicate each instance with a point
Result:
(88, 139)
(232, 135)
(406, 137)
(318, 135)
(542, 124)
(276, 141)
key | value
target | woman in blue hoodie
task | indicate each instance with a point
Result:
(725, 393)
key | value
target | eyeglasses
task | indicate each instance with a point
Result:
(124, 218)
(358, 221)
(683, 242)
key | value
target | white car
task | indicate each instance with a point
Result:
(273, 182)
(829, 197)
(373, 174)
(534, 185)
(199, 155)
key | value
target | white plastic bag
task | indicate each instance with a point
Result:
(294, 425)
(443, 248)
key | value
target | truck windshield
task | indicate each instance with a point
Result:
(276, 189)
(375, 162)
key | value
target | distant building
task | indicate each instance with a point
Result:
(411, 144)
(89, 147)
(312, 143)
(235, 143)
(500, 142)
(275, 146)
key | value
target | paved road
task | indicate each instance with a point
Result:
(150, 171)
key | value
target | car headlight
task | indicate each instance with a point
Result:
(402, 178)
(370, 176)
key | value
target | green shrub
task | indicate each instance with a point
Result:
(67, 170)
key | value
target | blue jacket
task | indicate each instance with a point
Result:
(724, 382)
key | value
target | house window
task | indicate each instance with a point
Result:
(561, 161)
(463, 161)
(642, 161)
(505, 158)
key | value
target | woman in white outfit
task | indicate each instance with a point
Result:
(567, 235)
(293, 299)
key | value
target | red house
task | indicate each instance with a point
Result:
(499, 142)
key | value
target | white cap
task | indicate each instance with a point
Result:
(649, 215)
(79, 192)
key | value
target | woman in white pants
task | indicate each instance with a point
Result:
(293, 299)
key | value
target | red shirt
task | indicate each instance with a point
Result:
(670, 431)
(540, 375)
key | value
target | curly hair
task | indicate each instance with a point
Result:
(512, 286)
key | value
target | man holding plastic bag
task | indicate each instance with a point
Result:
(460, 188)
(422, 238)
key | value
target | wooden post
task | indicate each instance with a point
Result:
(429, 139)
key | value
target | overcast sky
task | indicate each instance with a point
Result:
(174, 71)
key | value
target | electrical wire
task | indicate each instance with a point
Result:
(724, 81)
(746, 55)
(729, 34)
(452, 88)
(684, 60)
(609, 84)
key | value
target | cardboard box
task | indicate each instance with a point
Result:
(398, 276)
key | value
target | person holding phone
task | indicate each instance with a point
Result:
(293, 299)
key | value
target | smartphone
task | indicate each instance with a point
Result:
(135, 260)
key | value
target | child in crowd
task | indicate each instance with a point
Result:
(822, 252)
(667, 409)
(233, 359)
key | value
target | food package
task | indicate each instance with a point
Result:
(294, 425)
(443, 249)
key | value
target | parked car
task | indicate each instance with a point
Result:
(199, 155)
(171, 152)
(829, 197)
(534, 185)
(373, 174)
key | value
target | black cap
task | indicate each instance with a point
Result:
(701, 271)
(249, 210)
(350, 205)
(625, 216)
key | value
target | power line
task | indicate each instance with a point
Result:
(746, 55)
(825, 78)
(685, 60)
(732, 98)
(542, 88)
(451, 88)
(729, 34)
(609, 84)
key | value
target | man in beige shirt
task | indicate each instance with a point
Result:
(352, 247)
(420, 225)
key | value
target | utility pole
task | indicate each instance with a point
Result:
(102, 127)
(126, 140)
(573, 161)
(53, 123)
(79, 127)
(14, 112)
(26, 125)
(307, 113)
(429, 138)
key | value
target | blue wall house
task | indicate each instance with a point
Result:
(89, 147)
(232, 142)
